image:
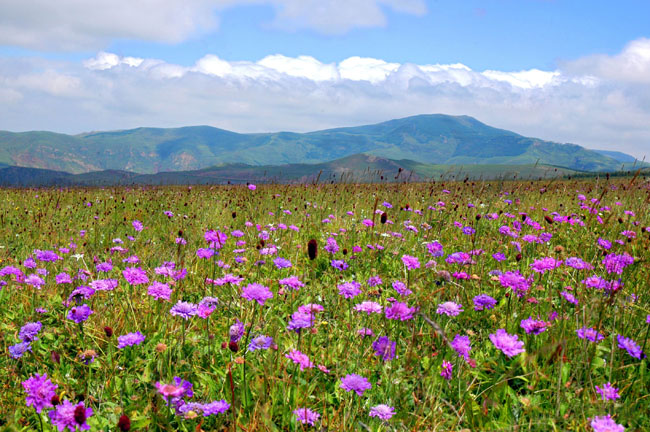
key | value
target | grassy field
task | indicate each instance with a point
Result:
(497, 306)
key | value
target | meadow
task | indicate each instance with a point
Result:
(491, 305)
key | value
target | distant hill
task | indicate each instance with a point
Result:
(427, 139)
(619, 156)
(355, 168)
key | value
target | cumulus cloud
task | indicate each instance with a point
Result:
(82, 24)
(583, 102)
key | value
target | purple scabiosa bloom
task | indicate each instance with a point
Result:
(606, 424)
(18, 350)
(137, 225)
(339, 265)
(435, 249)
(236, 331)
(159, 290)
(483, 301)
(382, 411)
(449, 308)
(374, 281)
(80, 314)
(534, 326)
(410, 262)
(104, 284)
(384, 348)
(608, 392)
(349, 289)
(616, 263)
(401, 288)
(509, 344)
(468, 230)
(400, 311)
(80, 293)
(135, 275)
(364, 331)
(257, 292)
(569, 297)
(462, 345)
(331, 246)
(368, 222)
(355, 383)
(215, 407)
(595, 281)
(172, 393)
(29, 331)
(185, 310)
(206, 306)
(632, 348)
(514, 280)
(281, 263)
(590, 334)
(63, 278)
(368, 307)
(47, 255)
(215, 239)
(499, 256)
(605, 244)
(40, 391)
(460, 258)
(252, 187)
(35, 281)
(446, 370)
(133, 259)
(29, 263)
(204, 253)
(130, 339)
(292, 282)
(306, 416)
(577, 263)
(260, 342)
(300, 359)
(67, 415)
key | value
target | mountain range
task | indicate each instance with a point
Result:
(433, 139)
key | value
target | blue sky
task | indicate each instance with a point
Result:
(568, 71)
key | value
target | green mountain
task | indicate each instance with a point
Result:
(355, 168)
(428, 139)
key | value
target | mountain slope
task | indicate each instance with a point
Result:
(435, 138)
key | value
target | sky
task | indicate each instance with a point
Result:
(561, 70)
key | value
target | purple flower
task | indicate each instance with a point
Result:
(137, 225)
(608, 392)
(260, 342)
(281, 262)
(368, 307)
(17, 351)
(206, 306)
(349, 289)
(252, 187)
(462, 345)
(29, 331)
(184, 310)
(292, 282)
(257, 292)
(514, 280)
(130, 339)
(70, 416)
(616, 263)
(449, 309)
(606, 424)
(215, 407)
(483, 301)
(510, 345)
(80, 314)
(306, 416)
(632, 348)
(401, 288)
(590, 334)
(435, 249)
(382, 411)
(339, 265)
(534, 326)
(135, 275)
(40, 391)
(569, 297)
(104, 284)
(384, 348)
(410, 262)
(446, 370)
(236, 331)
(400, 311)
(205, 253)
(355, 383)
(300, 320)
(159, 290)
(300, 359)
(63, 278)
(577, 263)
(331, 246)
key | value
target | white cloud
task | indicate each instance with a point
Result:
(82, 24)
(582, 102)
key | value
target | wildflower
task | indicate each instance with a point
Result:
(607, 391)
(130, 339)
(257, 292)
(252, 187)
(384, 348)
(534, 326)
(206, 306)
(616, 263)
(331, 246)
(80, 314)
(40, 391)
(446, 370)
(577, 264)
(236, 331)
(159, 291)
(17, 351)
(29, 331)
(300, 359)
(35, 281)
(215, 407)
(67, 415)
(401, 289)
(514, 280)
(339, 265)
(632, 348)
(382, 411)
(483, 301)
(281, 263)
(260, 342)
(63, 278)
(368, 307)
(184, 310)
(306, 416)
(606, 424)
(605, 244)
(124, 423)
(135, 275)
(590, 334)
(499, 256)
(569, 297)
(449, 308)
(400, 311)
(355, 383)
(349, 289)
(205, 253)
(172, 393)
(462, 345)
(312, 249)
(510, 345)
(364, 331)
(292, 282)
(410, 262)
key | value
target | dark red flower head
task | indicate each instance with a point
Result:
(80, 414)
(312, 249)
(124, 423)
